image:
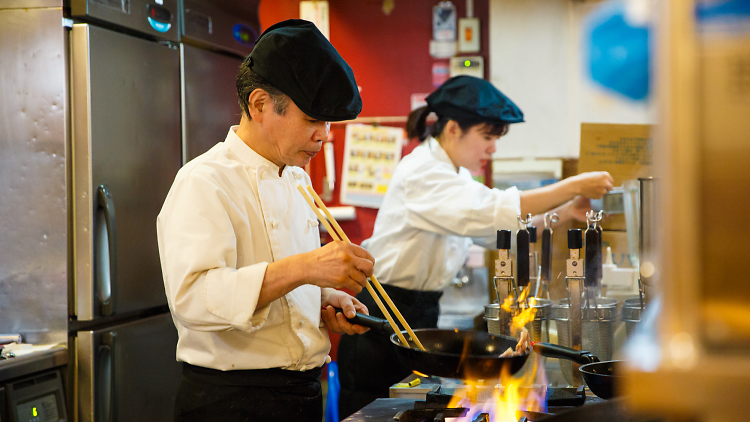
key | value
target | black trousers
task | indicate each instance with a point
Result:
(264, 395)
(368, 364)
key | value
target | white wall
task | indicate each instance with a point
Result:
(536, 58)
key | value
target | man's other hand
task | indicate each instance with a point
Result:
(336, 322)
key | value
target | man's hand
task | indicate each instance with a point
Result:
(593, 184)
(336, 322)
(339, 265)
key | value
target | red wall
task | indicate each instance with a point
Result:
(390, 58)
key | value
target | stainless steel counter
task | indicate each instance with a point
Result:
(32, 363)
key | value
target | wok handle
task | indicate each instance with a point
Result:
(378, 324)
(560, 352)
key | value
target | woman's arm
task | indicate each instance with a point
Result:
(589, 185)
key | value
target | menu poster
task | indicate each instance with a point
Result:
(370, 157)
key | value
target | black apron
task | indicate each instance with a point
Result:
(368, 364)
(264, 395)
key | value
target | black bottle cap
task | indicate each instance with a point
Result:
(503, 239)
(575, 239)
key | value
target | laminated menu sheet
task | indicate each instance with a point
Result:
(370, 158)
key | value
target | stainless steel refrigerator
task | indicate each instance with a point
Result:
(126, 151)
(213, 43)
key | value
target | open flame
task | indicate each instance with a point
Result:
(523, 313)
(526, 391)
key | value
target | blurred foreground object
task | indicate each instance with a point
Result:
(617, 39)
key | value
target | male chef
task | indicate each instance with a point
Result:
(250, 289)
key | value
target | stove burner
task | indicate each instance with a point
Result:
(436, 415)
(434, 408)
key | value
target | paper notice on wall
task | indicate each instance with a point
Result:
(317, 13)
(370, 158)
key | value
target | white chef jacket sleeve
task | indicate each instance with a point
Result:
(198, 251)
(441, 201)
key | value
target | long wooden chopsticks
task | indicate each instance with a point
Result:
(339, 235)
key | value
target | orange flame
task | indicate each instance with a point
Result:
(507, 303)
(526, 392)
(419, 374)
(525, 316)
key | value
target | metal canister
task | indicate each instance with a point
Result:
(597, 328)
(539, 327)
(631, 314)
(499, 320)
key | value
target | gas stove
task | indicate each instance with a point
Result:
(434, 407)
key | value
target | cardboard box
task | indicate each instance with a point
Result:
(625, 151)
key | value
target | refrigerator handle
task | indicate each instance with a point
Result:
(109, 340)
(104, 199)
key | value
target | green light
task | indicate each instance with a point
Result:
(33, 411)
(467, 63)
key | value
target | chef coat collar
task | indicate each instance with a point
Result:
(246, 154)
(438, 151)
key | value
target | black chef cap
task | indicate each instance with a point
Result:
(473, 98)
(295, 57)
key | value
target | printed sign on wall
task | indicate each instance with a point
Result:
(370, 157)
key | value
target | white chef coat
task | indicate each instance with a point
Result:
(429, 214)
(226, 217)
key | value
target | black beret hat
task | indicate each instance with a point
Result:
(473, 98)
(295, 57)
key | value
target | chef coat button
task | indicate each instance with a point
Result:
(263, 175)
(297, 176)
(313, 222)
(275, 224)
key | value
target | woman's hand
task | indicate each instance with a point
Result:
(576, 209)
(336, 322)
(339, 265)
(593, 184)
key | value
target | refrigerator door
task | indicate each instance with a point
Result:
(209, 99)
(128, 372)
(125, 153)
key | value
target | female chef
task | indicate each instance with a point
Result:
(432, 213)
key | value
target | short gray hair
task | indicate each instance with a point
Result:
(248, 81)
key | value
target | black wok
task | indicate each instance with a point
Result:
(465, 354)
(601, 377)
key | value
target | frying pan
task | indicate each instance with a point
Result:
(601, 377)
(465, 354)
